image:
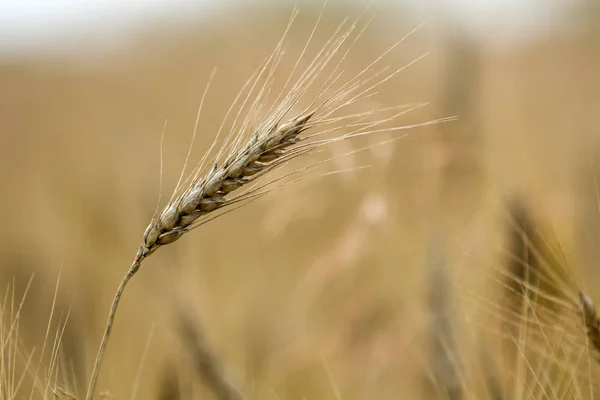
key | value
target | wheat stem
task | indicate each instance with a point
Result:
(205, 361)
(109, 324)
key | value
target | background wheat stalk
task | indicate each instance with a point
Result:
(265, 135)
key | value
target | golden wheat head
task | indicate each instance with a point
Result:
(265, 134)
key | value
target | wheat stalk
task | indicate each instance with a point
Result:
(264, 140)
(445, 358)
(205, 361)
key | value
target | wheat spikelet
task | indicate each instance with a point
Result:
(263, 138)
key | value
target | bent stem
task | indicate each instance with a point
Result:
(109, 324)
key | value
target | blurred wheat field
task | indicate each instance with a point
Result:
(322, 289)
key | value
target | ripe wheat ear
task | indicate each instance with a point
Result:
(264, 137)
(591, 321)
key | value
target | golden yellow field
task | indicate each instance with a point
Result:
(338, 287)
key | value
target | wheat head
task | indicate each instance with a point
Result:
(265, 135)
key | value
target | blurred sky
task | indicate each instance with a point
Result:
(53, 25)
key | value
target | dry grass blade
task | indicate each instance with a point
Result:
(591, 321)
(265, 135)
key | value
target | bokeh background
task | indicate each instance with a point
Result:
(319, 290)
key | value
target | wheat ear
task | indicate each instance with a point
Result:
(591, 321)
(264, 140)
